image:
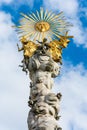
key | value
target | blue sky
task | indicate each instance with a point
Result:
(72, 82)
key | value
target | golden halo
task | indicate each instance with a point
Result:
(42, 24)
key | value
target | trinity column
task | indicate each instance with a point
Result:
(43, 35)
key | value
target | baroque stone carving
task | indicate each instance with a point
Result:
(41, 61)
(44, 104)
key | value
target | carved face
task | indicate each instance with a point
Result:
(42, 26)
(56, 70)
(43, 77)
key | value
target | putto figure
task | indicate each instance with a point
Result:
(43, 36)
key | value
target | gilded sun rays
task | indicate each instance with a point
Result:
(42, 24)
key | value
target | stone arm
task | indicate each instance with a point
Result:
(20, 49)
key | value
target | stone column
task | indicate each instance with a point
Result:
(44, 104)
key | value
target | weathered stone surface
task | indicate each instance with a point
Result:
(44, 104)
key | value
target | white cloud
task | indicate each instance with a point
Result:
(69, 7)
(5, 1)
(29, 3)
(6, 31)
(17, 3)
(79, 33)
(73, 86)
(72, 11)
(14, 90)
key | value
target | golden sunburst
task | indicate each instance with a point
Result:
(42, 24)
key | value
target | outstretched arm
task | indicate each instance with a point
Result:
(19, 49)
